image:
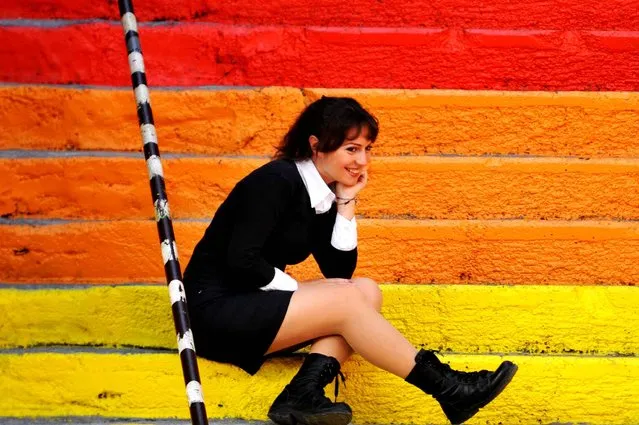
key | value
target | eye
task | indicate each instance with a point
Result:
(369, 148)
(351, 149)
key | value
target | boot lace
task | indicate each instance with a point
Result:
(326, 376)
(316, 378)
(465, 377)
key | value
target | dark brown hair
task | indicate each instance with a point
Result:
(330, 119)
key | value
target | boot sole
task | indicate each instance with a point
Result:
(294, 417)
(457, 417)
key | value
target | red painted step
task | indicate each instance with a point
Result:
(215, 54)
(494, 14)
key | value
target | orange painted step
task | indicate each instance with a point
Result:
(198, 121)
(251, 122)
(415, 187)
(406, 251)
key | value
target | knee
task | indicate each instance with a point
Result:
(371, 291)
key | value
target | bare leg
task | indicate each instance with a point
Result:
(328, 309)
(335, 345)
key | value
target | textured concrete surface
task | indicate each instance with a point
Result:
(236, 121)
(423, 251)
(459, 318)
(406, 57)
(151, 386)
(216, 122)
(514, 216)
(537, 14)
(428, 187)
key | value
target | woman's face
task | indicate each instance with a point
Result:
(346, 164)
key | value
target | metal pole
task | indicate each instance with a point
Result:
(162, 215)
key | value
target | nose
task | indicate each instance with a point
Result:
(363, 158)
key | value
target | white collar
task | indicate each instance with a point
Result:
(318, 191)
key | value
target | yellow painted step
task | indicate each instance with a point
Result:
(417, 187)
(405, 251)
(252, 121)
(459, 318)
(547, 389)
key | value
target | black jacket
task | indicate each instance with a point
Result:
(266, 221)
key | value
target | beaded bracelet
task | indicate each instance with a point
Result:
(348, 200)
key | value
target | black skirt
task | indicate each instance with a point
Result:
(236, 328)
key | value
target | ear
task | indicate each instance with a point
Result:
(313, 142)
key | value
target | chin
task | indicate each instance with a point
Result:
(350, 181)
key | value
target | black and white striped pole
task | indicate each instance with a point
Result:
(163, 217)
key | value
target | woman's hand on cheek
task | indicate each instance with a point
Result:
(349, 192)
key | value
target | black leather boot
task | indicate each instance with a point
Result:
(303, 401)
(460, 394)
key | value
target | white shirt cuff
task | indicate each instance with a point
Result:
(281, 282)
(344, 233)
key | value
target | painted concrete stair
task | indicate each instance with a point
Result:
(472, 13)
(138, 385)
(447, 251)
(85, 351)
(250, 121)
(413, 57)
(537, 319)
(38, 185)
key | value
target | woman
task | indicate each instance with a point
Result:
(244, 307)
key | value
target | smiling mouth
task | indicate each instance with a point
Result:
(353, 173)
